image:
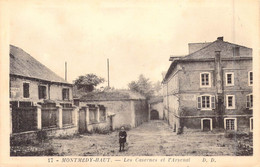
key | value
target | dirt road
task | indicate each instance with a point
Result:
(154, 138)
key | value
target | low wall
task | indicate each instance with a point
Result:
(31, 136)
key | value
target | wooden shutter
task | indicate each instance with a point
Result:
(213, 102)
(199, 102)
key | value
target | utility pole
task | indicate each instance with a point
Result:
(108, 73)
(65, 71)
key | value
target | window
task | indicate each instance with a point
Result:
(251, 124)
(206, 102)
(250, 78)
(230, 123)
(249, 101)
(26, 92)
(65, 94)
(229, 79)
(42, 92)
(230, 102)
(205, 79)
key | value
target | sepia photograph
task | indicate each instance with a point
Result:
(130, 81)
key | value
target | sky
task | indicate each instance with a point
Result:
(137, 37)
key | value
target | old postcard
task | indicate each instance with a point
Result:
(129, 83)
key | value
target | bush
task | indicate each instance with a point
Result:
(234, 134)
(104, 130)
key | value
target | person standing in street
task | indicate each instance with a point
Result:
(122, 139)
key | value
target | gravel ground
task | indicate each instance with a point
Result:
(154, 138)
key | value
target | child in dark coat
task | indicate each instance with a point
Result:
(122, 139)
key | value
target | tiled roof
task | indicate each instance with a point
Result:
(23, 64)
(208, 52)
(112, 96)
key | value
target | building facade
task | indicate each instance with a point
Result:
(210, 88)
(122, 108)
(39, 99)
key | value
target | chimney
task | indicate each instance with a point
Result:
(220, 38)
(218, 72)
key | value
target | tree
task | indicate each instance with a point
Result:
(88, 82)
(143, 85)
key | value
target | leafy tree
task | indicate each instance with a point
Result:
(143, 85)
(88, 82)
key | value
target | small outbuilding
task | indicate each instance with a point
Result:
(120, 108)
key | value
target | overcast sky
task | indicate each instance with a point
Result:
(137, 36)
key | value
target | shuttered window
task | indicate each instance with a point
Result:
(206, 102)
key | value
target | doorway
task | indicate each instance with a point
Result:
(206, 124)
(154, 115)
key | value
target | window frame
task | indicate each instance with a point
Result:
(232, 79)
(251, 124)
(249, 79)
(233, 102)
(251, 105)
(28, 90)
(45, 92)
(235, 123)
(67, 92)
(210, 102)
(205, 86)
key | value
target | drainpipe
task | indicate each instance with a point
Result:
(219, 90)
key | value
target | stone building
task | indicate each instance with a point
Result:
(39, 99)
(121, 108)
(210, 88)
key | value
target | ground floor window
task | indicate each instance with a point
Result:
(230, 123)
(251, 124)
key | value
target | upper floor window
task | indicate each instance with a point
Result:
(205, 79)
(42, 92)
(26, 90)
(230, 79)
(65, 94)
(230, 102)
(250, 78)
(206, 102)
(249, 101)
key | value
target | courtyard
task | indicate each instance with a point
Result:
(154, 138)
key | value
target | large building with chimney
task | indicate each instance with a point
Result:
(210, 88)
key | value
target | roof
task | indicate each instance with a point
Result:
(207, 53)
(23, 64)
(114, 95)
(156, 99)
